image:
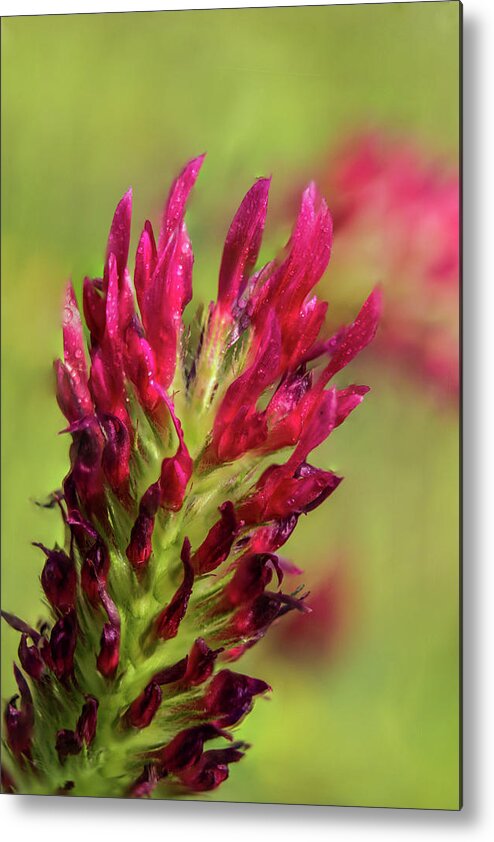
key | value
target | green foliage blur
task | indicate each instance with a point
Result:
(93, 103)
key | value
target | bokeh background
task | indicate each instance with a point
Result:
(365, 708)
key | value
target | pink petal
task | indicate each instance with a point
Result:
(119, 237)
(169, 620)
(357, 336)
(242, 244)
(179, 193)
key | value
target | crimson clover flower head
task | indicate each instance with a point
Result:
(189, 469)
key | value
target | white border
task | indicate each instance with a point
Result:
(59, 7)
(75, 820)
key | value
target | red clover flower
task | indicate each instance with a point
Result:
(173, 508)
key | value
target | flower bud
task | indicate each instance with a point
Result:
(116, 454)
(142, 710)
(19, 722)
(212, 768)
(186, 748)
(169, 620)
(109, 652)
(68, 742)
(218, 542)
(176, 471)
(140, 546)
(94, 570)
(63, 640)
(86, 474)
(30, 658)
(230, 696)
(253, 574)
(253, 619)
(200, 663)
(59, 579)
(88, 720)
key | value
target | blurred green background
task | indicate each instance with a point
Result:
(94, 103)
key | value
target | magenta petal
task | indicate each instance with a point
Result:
(19, 723)
(109, 654)
(88, 720)
(115, 459)
(357, 336)
(176, 471)
(200, 663)
(20, 626)
(347, 400)
(288, 283)
(169, 620)
(212, 768)
(186, 747)
(218, 542)
(73, 338)
(119, 237)
(142, 710)
(242, 244)
(30, 659)
(145, 264)
(179, 193)
(253, 573)
(140, 366)
(230, 696)
(58, 579)
(94, 308)
(238, 427)
(112, 310)
(141, 538)
(63, 640)
(94, 570)
(73, 393)
(317, 427)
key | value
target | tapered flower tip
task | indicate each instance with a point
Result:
(73, 341)
(242, 244)
(356, 336)
(177, 198)
(20, 626)
(313, 230)
(119, 236)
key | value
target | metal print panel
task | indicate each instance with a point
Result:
(258, 214)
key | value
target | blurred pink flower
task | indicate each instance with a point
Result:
(396, 215)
